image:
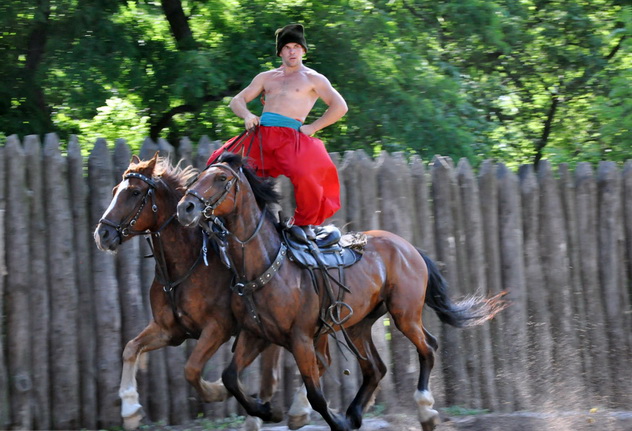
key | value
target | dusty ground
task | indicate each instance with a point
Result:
(557, 421)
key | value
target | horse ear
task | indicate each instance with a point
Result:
(152, 163)
(135, 159)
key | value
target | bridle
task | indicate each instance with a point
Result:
(125, 228)
(216, 199)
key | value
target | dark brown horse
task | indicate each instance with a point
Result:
(392, 276)
(189, 298)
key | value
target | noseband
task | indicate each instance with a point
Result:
(216, 199)
(125, 228)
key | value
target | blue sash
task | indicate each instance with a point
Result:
(277, 120)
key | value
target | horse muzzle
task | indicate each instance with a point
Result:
(189, 211)
(106, 238)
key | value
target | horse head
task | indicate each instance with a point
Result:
(213, 194)
(137, 199)
(221, 189)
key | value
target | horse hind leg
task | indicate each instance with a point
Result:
(150, 338)
(409, 323)
(373, 370)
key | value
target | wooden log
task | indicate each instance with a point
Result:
(38, 281)
(480, 361)
(83, 243)
(488, 188)
(455, 374)
(158, 382)
(513, 276)
(540, 347)
(148, 149)
(569, 207)
(555, 260)
(204, 150)
(596, 341)
(17, 307)
(64, 295)
(178, 389)
(184, 153)
(5, 414)
(616, 297)
(106, 294)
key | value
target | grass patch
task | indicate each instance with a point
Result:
(463, 411)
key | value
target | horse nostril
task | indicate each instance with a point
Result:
(189, 208)
(105, 234)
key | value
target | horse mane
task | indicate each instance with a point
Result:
(176, 177)
(262, 188)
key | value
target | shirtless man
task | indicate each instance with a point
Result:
(287, 145)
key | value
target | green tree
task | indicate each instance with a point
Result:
(517, 81)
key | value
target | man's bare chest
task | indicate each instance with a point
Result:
(288, 85)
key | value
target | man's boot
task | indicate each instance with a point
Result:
(309, 232)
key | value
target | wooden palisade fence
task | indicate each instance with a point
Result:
(559, 241)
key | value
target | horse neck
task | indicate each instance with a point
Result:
(255, 255)
(179, 245)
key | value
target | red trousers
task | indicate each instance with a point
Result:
(301, 158)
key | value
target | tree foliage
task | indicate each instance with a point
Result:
(513, 80)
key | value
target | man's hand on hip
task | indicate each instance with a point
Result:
(307, 129)
(251, 122)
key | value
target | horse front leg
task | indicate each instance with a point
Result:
(247, 348)
(300, 410)
(151, 338)
(211, 338)
(305, 356)
(270, 376)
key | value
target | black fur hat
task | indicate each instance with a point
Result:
(291, 33)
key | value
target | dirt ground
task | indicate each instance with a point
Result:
(524, 421)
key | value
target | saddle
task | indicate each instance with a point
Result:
(325, 252)
(330, 250)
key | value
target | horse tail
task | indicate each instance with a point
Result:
(470, 311)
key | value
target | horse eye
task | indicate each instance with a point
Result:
(222, 178)
(135, 192)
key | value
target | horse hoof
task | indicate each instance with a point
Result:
(298, 421)
(214, 392)
(276, 415)
(252, 424)
(431, 422)
(132, 422)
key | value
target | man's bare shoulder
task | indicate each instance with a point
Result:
(316, 78)
(267, 74)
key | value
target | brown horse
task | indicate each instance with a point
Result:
(189, 297)
(392, 276)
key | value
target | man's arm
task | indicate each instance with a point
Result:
(337, 107)
(239, 103)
